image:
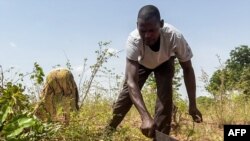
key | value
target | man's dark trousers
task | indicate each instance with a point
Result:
(163, 109)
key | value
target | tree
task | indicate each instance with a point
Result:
(235, 75)
(239, 69)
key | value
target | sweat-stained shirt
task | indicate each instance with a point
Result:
(172, 43)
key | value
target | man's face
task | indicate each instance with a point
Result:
(149, 30)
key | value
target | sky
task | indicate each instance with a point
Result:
(51, 31)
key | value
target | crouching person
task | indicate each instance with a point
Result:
(59, 95)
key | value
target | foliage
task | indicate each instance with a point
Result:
(17, 121)
(103, 54)
(239, 58)
(205, 101)
(229, 86)
(238, 66)
(37, 74)
(234, 75)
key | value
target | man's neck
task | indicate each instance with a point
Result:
(156, 46)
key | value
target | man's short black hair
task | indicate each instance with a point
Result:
(148, 12)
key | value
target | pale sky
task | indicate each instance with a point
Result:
(44, 31)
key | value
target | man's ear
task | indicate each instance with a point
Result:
(137, 24)
(162, 23)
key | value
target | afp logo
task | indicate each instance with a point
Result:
(236, 132)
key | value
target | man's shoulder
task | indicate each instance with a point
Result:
(135, 35)
(170, 29)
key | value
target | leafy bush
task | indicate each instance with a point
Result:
(17, 121)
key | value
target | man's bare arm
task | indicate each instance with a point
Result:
(189, 79)
(133, 87)
(132, 78)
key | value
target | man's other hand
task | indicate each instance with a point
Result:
(196, 114)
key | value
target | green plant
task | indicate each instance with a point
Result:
(17, 120)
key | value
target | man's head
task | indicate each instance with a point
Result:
(149, 24)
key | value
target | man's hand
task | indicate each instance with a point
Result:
(196, 114)
(148, 127)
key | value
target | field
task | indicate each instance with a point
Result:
(227, 103)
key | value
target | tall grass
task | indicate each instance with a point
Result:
(89, 124)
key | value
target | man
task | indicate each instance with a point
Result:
(152, 47)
